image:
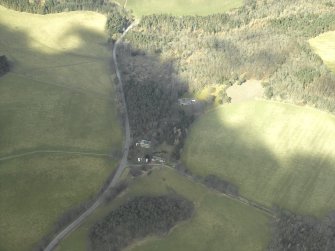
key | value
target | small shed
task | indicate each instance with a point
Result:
(186, 101)
(144, 143)
(157, 159)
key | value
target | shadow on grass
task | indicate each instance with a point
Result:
(43, 112)
(302, 183)
(152, 89)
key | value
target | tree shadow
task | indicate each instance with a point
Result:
(152, 89)
(54, 99)
(299, 182)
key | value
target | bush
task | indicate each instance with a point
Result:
(117, 22)
(220, 185)
(4, 65)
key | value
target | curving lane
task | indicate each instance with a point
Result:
(122, 165)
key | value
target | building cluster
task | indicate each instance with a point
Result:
(148, 158)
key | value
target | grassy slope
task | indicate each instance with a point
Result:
(61, 81)
(181, 7)
(59, 96)
(324, 46)
(36, 190)
(219, 223)
(276, 153)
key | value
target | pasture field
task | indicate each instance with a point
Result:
(36, 191)
(276, 153)
(180, 7)
(59, 95)
(219, 223)
(324, 46)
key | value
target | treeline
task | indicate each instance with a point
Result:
(4, 65)
(138, 218)
(265, 40)
(293, 232)
(117, 21)
(223, 186)
(212, 23)
(56, 6)
(307, 25)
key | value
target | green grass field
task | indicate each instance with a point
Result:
(219, 223)
(275, 153)
(180, 7)
(324, 46)
(58, 96)
(35, 191)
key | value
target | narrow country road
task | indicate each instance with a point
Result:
(122, 165)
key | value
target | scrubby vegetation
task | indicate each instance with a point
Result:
(117, 22)
(266, 40)
(138, 218)
(56, 6)
(293, 232)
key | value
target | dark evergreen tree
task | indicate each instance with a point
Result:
(4, 65)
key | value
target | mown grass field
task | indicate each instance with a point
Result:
(275, 153)
(180, 7)
(219, 223)
(58, 96)
(324, 46)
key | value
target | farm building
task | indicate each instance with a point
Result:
(144, 143)
(157, 159)
(186, 101)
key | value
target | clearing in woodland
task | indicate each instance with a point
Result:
(324, 46)
(180, 7)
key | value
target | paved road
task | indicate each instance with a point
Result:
(122, 165)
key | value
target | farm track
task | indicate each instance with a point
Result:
(239, 199)
(122, 165)
(15, 156)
